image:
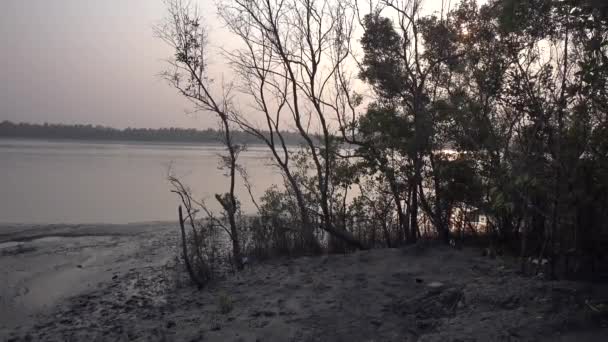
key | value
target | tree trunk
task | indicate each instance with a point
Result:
(231, 207)
(191, 273)
(310, 241)
(414, 206)
(387, 236)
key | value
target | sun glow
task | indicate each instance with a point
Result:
(464, 30)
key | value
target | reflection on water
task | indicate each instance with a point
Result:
(81, 182)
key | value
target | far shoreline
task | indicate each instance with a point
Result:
(129, 142)
(106, 134)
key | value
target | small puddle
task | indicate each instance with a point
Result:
(10, 244)
(21, 247)
(53, 238)
(44, 239)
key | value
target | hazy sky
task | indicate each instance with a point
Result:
(86, 61)
(92, 61)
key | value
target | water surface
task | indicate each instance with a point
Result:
(85, 182)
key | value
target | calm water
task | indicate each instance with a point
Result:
(81, 182)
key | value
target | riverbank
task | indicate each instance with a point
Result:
(136, 292)
(43, 265)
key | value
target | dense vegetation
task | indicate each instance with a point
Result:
(102, 133)
(516, 89)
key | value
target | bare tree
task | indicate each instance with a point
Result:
(185, 32)
(288, 66)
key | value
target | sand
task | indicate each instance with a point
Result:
(118, 283)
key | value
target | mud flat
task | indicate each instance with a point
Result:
(138, 293)
(42, 266)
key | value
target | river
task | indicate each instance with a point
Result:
(55, 182)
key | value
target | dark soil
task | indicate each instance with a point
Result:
(416, 294)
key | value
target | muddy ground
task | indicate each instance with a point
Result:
(411, 294)
(44, 266)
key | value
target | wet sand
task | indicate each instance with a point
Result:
(43, 265)
(135, 291)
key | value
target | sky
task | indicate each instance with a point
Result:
(87, 61)
(95, 61)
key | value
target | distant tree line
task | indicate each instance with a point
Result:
(9, 129)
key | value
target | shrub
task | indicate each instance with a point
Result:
(277, 229)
